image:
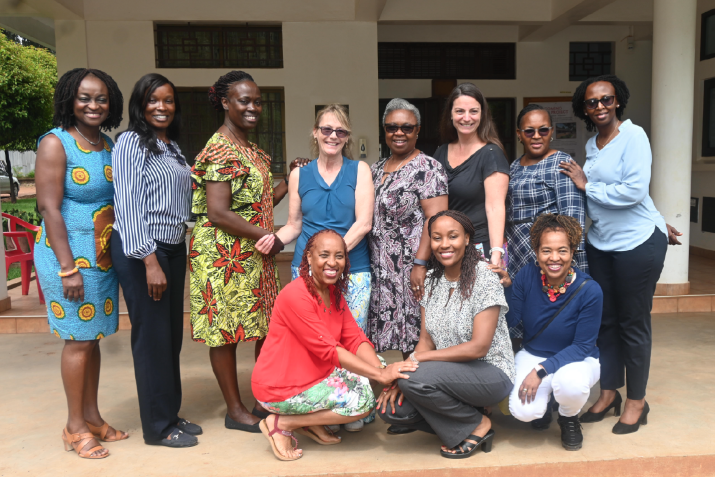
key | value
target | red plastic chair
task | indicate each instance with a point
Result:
(18, 255)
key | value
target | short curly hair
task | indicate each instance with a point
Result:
(66, 91)
(555, 222)
(220, 88)
(579, 96)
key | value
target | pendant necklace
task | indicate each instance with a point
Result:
(611, 136)
(92, 143)
(235, 136)
(555, 291)
(402, 162)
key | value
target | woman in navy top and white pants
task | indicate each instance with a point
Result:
(152, 196)
(626, 245)
(560, 307)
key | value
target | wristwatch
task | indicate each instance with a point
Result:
(540, 371)
(285, 179)
(418, 261)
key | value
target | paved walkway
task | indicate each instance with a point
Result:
(677, 441)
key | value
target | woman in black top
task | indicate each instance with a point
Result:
(476, 166)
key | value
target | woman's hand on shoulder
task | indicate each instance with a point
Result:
(297, 163)
(574, 171)
(504, 277)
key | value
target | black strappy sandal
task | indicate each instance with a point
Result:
(465, 448)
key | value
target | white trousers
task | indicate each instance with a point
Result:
(571, 386)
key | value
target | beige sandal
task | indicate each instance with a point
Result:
(101, 432)
(308, 432)
(263, 426)
(78, 441)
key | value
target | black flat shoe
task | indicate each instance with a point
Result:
(397, 430)
(189, 427)
(465, 448)
(176, 439)
(588, 417)
(621, 428)
(544, 422)
(239, 426)
(260, 414)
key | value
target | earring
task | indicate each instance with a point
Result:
(310, 272)
(225, 108)
(552, 139)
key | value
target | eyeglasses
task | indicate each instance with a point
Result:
(531, 131)
(606, 101)
(341, 133)
(405, 128)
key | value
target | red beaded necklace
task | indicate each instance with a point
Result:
(555, 291)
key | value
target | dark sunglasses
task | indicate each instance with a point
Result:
(606, 101)
(531, 131)
(341, 133)
(406, 128)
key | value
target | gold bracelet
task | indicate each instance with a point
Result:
(67, 274)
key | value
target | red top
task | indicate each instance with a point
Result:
(300, 350)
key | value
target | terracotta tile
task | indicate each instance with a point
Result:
(32, 325)
(694, 304)
(8, 325)
(665, 305)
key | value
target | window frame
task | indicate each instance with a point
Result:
(222, 63)
(707, 151)
(703, 19)
(612, 53)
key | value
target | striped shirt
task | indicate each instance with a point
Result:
(152, 195)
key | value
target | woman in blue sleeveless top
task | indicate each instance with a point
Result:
(75, 196)
(332, 192)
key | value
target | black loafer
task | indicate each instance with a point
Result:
(176, 439)
(260, 414)
(189, 427)
(396, 430)
(239, 426)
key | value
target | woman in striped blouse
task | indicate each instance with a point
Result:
(152, 199)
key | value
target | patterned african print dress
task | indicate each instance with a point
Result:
(233, 287)
(398, 220)
(88, 211)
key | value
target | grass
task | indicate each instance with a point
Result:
(27, 205)
(14, 272)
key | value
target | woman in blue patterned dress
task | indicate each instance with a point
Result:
(537, 187)
(75, 193)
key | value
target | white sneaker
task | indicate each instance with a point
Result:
(354, 426)
(334, 428)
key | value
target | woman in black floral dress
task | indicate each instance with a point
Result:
(410, 187)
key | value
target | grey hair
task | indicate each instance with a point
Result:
(399, 103)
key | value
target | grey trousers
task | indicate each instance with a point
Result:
(441, 398)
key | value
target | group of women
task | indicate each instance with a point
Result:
(410, 254)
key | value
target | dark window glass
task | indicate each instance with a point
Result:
(707, 35)
(189, 46)
(709, 118)
(446, 60)
(201, 120)
(589, 59)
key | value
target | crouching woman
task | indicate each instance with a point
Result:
(315, 367)
(560, 307)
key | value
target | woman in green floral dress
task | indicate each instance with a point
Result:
(233, 286)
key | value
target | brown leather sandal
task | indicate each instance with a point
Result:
(101, 432)
(263, 425)
(78, 441)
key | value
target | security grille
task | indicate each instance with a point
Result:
(589, 59)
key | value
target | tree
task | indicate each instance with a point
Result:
(28, 76)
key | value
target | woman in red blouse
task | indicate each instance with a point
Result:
(315, 366)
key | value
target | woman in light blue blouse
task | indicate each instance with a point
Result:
(626, 245)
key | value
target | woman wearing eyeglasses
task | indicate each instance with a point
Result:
(410, 187)
(332, 192)
(626, 245)
(537, 187)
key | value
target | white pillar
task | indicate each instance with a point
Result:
(674, 25)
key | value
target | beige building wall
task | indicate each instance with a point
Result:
(323, 63)
(703, 183)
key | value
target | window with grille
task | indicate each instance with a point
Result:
(707, 35)
(200, 121)
(212, 46)
(589, 59)
(446, 60)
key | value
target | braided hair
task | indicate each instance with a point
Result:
(530, 108)
(220, 88)
(554, 222)
(66, 92)
(341, 286)
(472, 256)
(579, 96)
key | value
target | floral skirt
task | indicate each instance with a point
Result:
(342, 392)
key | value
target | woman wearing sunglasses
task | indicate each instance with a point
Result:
(537, 187)
(477, 169)
(626, 245)
(410, 187)
(332, 192)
